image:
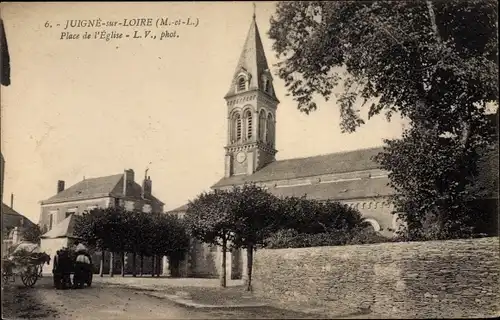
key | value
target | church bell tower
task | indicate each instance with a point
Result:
(251, 110)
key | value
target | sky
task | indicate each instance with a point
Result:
(88, 107)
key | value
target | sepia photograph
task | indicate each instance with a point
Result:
(250, 160)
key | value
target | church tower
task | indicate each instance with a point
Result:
(251, 110)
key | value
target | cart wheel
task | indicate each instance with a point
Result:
(29, 278)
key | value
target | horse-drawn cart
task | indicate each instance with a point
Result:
(65, 265)
(24, 264)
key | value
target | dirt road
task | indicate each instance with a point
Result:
(111, 302)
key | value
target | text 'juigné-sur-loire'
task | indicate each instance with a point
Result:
(86, 23)
(135, 22)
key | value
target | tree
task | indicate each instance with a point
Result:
(104, 229)
(433, 62)
(31, 233)
(179, 240)
(120, 231)
(438, 53)
(254, 214)
(167, 237)
(307, 223)
(90, 227)
(210, 218)
(434, 184)
(312, 216)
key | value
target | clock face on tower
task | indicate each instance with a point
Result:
(240, 157)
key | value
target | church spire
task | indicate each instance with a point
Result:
(251, 110)
(252, 64)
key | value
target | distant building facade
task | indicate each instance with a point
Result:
(13, 224)
(59, 212)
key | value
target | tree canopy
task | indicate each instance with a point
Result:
(248, 216)
(441, 54)
(117, 230)
(31, 233)
(433, 62)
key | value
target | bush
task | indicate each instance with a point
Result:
(291, 238)
(367, 236)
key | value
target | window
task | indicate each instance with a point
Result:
(52, 218)
(267, 85)
(373, 224)
(262, 125)
(146, 208)
(70, 212)
(237, 127)
(249, 121)
(241, 84)
(129, 205)
(270, 130)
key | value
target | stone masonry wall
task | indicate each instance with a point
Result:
(455, 278)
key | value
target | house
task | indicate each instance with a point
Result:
(59, 212)
(12, 225)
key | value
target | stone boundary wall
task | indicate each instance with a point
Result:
(435, 279)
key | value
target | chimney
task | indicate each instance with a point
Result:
(128, 179)
(12, 201)
(146, 187)
(60, 186)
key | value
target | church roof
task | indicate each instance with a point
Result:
(108, 186)
(63, 229)
(341, 162)
(338, 190)
(253, 61)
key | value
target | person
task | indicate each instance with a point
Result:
(56, 274)
(62, 269)
(83, 265)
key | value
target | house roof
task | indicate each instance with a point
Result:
(65, 228)
(11, 218)
(340, 162)
(108, 186)
(182, 208)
